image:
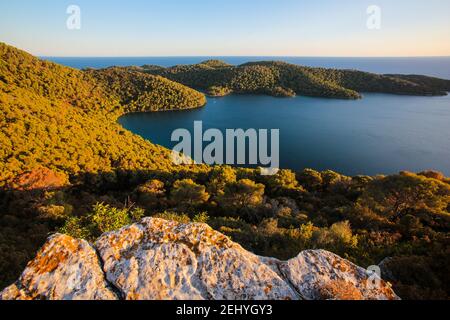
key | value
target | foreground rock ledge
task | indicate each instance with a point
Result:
(159, 259)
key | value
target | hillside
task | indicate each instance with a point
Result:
(139, 91)
(65, 119)
(283, 79)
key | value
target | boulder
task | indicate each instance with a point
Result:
(64, 269)
(158, 259)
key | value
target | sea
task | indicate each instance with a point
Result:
(379, 134)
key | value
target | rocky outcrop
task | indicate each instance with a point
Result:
(64, 269)
(160, 259)
(39, 178)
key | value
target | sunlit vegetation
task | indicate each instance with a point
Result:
(402, 220)
(67, 166)
(187, 194)
(218, 91)
(103, 218)
(139, 91)
(286, 80)
(65, 119)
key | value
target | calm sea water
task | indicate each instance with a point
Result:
(436, 66)
(378, 134)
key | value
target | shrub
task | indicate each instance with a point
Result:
(187, 194)
(283, 182)
(55, 212)
(74, 227)
(105, 218)
(336, 238)
(310, 179)
(173, 216)
(152, 193)
(219, 177)
(244, 193)
(433, 175)
(396, 195)
(201, 217)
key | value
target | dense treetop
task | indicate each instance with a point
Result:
(139, 91)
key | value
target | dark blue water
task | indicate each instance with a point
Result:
(436, 66)
(380, 134)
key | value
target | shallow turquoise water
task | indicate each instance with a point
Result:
(378, 134)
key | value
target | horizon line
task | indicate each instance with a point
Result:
(240, 56)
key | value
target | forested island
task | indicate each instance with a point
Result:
(68, 166)
(281, 79)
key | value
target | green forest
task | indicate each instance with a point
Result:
(67, 166)
(281, 79)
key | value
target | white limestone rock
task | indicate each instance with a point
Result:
(64, 269)
(158, 259)
(319, 274)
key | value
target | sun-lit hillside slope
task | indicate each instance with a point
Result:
(65, 119)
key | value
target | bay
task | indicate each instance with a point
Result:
(379, 134)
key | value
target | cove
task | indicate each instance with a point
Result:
(379, 134)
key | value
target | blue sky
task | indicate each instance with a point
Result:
(227, 27)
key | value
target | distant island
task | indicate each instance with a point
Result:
(281, 79)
